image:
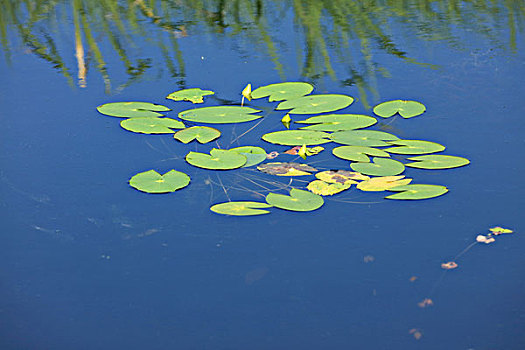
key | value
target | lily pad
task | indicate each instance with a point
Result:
(358, 153)
(152, 182)
(414, 147)
(241, 208)
(203, 134)
(327, 189)
(194, 95)
(132, 109)
(297, 137)
(220, 114)
(254, 155)
(286, 169)
(314, 104)
(383, 183)
(298, 200)
(338, 122)
(368, 138)
(282, 91)
(151, 125)
(415, 192)
(344, 177)
(407, 109)
(436, 161)
(380, 167)
(218, 159)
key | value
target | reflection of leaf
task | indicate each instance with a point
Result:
(203, 134)
(313, 104)
(327, 189)
(150, 125)
(218, 159)
(240, 208)
(383, 183)
(344, 177)
(297, 137)
(286, 169)
(152, 182)
(358, 153)
(254, 155)
(369, 138)
(415, 192)
(380, 167)
(496, 231)
(283, 91)
(194, 95)
(414, 147)
(298, 200)
(337, 122)
(132, 109)
(407, 109)
(436, 161)
(220, 114)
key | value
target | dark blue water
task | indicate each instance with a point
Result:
(89, 263)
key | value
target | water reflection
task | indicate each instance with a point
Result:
(345, 33)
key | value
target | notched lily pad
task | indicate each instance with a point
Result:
(436, 161)
(152, 182)
(297, 137)
(414, 147)
(415, 192)
(151, 125)
(313, 104)
(383, 183)
(218, 159)
(343, 177)
(298, 200)
(220, 114)
(286, 169)
(338, 122)
(282, 91)
(240, 208)
(254, 155)
(132, 109)
(368, 138)
(203, 134)
(193, 95)
(407, 109)
(358, 153)
(379, 167)
(327, 189)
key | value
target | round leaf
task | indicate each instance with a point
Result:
(298, 200)
(314, 104)
(358, 153)
(368, 138)
(414, 192)
(218, 159)
(282, 91)
(340, 176)
(407, 109)
(297, 137)
(383, 183)
(203, 134)
(380, 167)
(436, 161)
(150, 125)
(194, 95)
(414, 147)
(240, 208)
(132, 109)
(286, 169)
(337, 122)
(327, 189)
(152, 182)
(220, 114)
(254, 155)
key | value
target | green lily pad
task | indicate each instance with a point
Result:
(194, 95)
(383, 183)
(358, 153)
(314, 104)
(132, 109)
(152, 182)
(344, 177)
(218, 159)
(297, 137)
(286, 169)
(220, 114)
(407, 109)
(254, 155)
(327, 189)
(338, 122)
(241, 208)
(282, 91)
(151, 125)
(415, 192)
(368, 138)
(298, 200)
(414, 147)
(380, 167)
(203, 134)
(436, 161)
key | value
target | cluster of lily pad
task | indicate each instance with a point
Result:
(380, 173)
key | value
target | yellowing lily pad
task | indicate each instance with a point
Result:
(194, 95)
(297, 137)
(151, 125)
(337, 122)
(203, 134)
(414, 147)
(383, 183)
(496, 231)
(313, 104)
(358, 153)
(286, 169)
(152, 182)
(343, 177)
(379, 167)
(298, 200)
(368, 138)
(220, 114)
(407, 109)
(436, 161)
(240, 208)
(416, 192)
(254, 155)
(326, 189)
(282, 91)
(132, 109)
(218, 159)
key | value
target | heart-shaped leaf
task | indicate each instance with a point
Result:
(415, 192)
(298, 200)
(436, 161)
(414, 147)
(337, 122)
(282, 91)
(368, 138)
(241, 208)
(218, 159)
(297, 137)
(407, 109)
(380, 167)
(151, 125)
(220, 114)
(132, 109)
(313, 104)
(383, 183)
(254, 155)
(194, 95)
(203, 134)
(358, 153)
(326, 189)
(152, 182)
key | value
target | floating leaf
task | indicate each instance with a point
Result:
(218, 159)
(193, 95)
(341, 176)
(485, 239)
(314, 104)
(338, 122)
(368, 138)
(152, 182)
(220, 114)
(286, 169)
(326, 189)
(414, 147)
(151, 125)
(358, 153)
(283, 91)
(203, 134)
(407, 109)
(380, 167)
(297, 137)
(254, 155)
(132, 109)
(383, 183)
(415, 192)
(435, 161)
(240, 208)
(496, 231)
(310, 151)
(298, 200)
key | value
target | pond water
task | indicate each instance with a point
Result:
(87, 262)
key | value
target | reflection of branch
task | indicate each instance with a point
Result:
(79, 49)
